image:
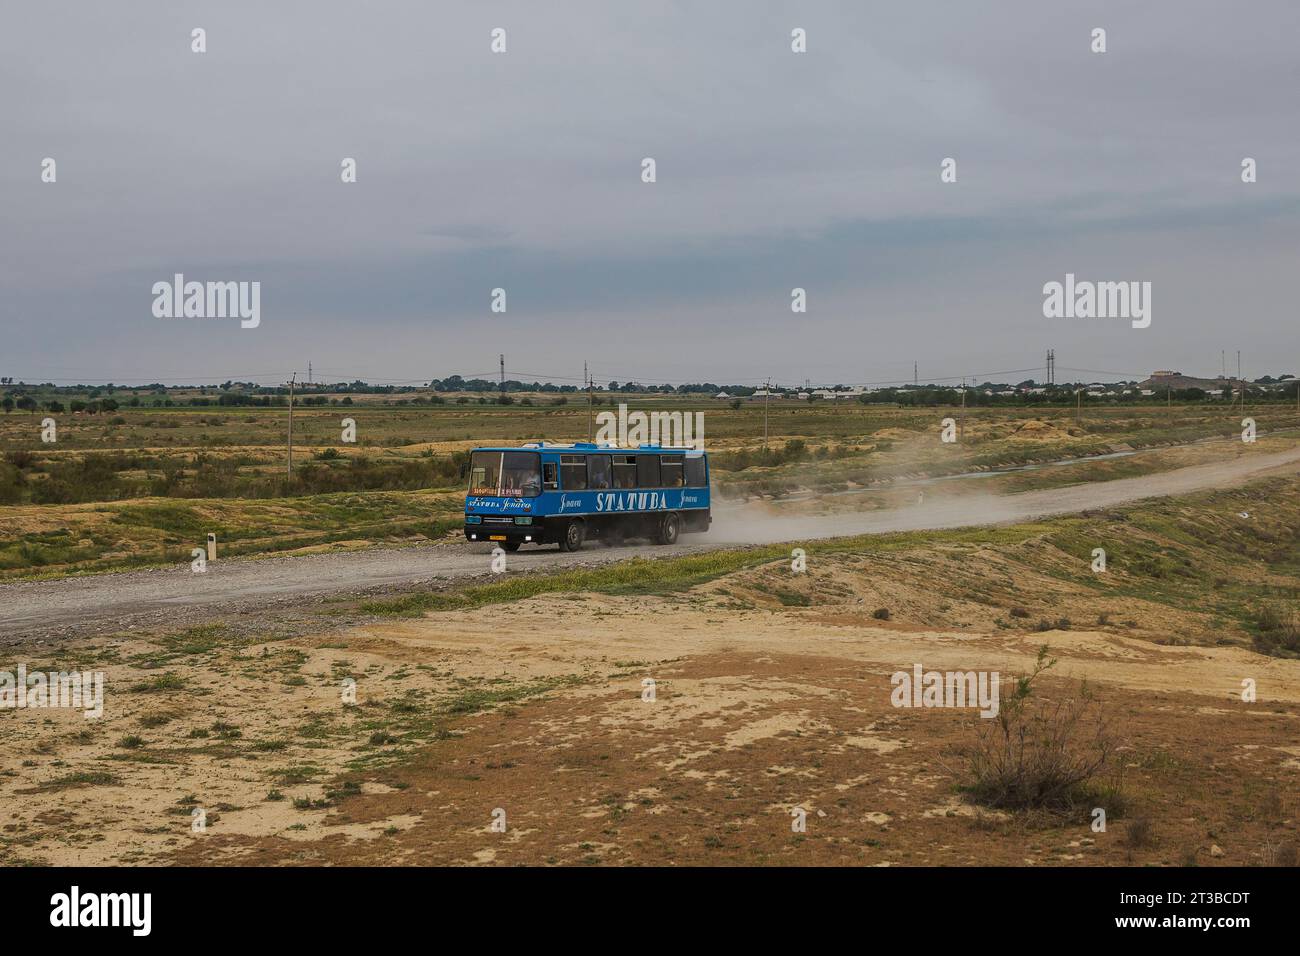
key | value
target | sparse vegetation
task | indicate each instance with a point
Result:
(85, 778)
(1048, 756)
(1037, 753)
(1140, 833)
(1278, 631)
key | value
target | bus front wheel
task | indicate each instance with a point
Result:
(574, 532)
(669, 529)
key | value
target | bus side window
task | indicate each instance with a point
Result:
(548, 475)
(598, 471)
(647, 471)
(670, 468)
(695, 472)
(625, 471)
(573, 471)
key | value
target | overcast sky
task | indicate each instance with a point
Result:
(523, 171)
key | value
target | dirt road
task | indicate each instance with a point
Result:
(113, 602)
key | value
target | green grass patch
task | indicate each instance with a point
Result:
(666, 575)
(87, 778)
(480, 699)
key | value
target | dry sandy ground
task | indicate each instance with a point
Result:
(534, 712)
(79, 605)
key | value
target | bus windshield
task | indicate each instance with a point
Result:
(511, 474)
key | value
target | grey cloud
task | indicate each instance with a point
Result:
(521, 171)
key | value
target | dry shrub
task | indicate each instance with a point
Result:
(1279, 631)
(1141, 833)
(1280, 854)
(1041, 754)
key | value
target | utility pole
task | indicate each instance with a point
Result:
(961, 421)
(767, 396)
(291, 383)
(1241, 383)
(309, 377)
(915, 380)
(587, 376)
(503, 375)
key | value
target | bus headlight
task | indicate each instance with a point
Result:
(522, 519)
(473, 519)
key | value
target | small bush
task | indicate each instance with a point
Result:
(226, 731)
(1019, 612)
(155, 685)
(881, 614)
(1039, 754)
(1141, 833)
(1284, 854)
(1279, 631)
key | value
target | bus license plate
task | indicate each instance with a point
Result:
(496, 537)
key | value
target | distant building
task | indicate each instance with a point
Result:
(1164, 380)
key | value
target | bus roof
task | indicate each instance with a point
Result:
(586, 446)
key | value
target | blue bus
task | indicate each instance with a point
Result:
(544, 493)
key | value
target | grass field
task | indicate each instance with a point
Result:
(144, 485)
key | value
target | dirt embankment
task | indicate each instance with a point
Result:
(762, 705)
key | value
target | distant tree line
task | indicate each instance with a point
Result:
(94, 399)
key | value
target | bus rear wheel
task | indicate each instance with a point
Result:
(669, 529)
(574, 532)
